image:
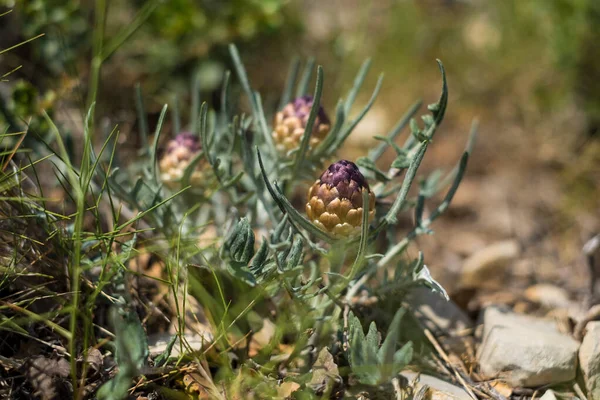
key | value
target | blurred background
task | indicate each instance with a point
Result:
(529, 71)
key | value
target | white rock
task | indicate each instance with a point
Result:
(525, 351)
(589, 359)
(489, 262)
(439, 389)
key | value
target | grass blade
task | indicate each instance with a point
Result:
(154, 149)
(348, 130)
(380, 149)
(143, 123)
(289, 83)
(358, 81)
(302, 88)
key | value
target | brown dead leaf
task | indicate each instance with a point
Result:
(194, 384)
(10, 363)
(195, 317)
(94, 360)
(286, 348)
(286, 389)
(502, 388)
(325, 376)
(261, 338)
(47, 377)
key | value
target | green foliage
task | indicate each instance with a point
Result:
(178, 20)
(23, 108)
(372, 363)
(240, 243)
(239, 249)
(182, 40)
(66, 29)
(131, 353)
(266, 264)
(287, 265)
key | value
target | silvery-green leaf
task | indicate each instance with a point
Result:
(239, 245)
(369, 165)
(372, 343)
(387, 350)
(403, 357)
(260, 258)
(425, 277)
(296, 253)
(402, 161)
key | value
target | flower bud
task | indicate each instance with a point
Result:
(290, 124)
(179, 153)
(335, 202)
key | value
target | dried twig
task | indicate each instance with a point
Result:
(397, 388)
(346, 344)
(592, 314)
(590, 250)
(444, 356)
(579, 392)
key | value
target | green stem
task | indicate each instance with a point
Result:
(97, 60)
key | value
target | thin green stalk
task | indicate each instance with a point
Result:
(358, 81)
(352, 124)
(143, 123)
(364, 237)
(305, 79)
(300, 156)
(21, 43)
(391, 217)
(98, 40)
(139, 19)
(289, 83)
(75, 261)
(380, 149)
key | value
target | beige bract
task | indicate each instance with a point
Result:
(179, 153)
(335, 202)
(290, 124)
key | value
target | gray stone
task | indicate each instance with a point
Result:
(497, 316)
(525, 351)
(438, 388)
(436, 313)
(488, 263)
(589, 359)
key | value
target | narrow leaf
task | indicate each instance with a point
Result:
(314, 111)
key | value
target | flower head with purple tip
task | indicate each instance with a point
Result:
(290, 124)
(179, 152)
(335, 202)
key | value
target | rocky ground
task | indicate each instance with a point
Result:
(514, 353)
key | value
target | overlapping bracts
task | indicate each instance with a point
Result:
(180, 151)
(335, 202)
(290, 124)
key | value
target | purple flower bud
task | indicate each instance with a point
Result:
(335, 201)
(290, 124)
(186, 140)
(178, 154)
